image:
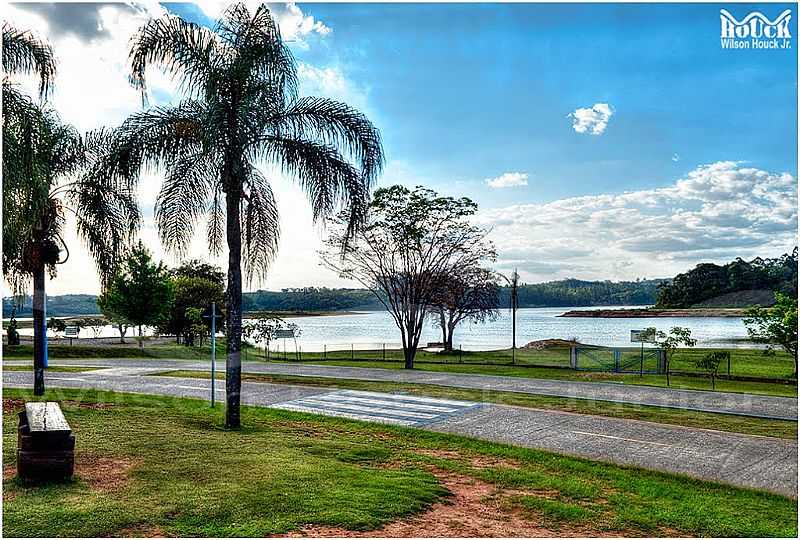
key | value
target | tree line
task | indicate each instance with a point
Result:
(708, 280)
(561, 293)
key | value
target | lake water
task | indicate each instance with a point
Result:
(371, 329)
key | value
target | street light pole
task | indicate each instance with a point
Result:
(513, 283)
(213, 350)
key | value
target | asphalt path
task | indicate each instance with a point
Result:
(782, 408)
(748, 461)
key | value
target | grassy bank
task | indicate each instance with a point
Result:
(162, 466)
(721, 422)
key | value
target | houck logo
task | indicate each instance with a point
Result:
(755, 31)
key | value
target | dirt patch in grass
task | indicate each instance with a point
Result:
(475, 509)
(87, 405)
(477, 462)
(104, 473)
(11, 405)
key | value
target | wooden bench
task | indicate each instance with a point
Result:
(45, 443)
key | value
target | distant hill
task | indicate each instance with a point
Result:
(739, 283)
(57, 306)
(575, 292)
(564, 293)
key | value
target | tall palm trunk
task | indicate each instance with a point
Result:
(39, 332)
(233, 363)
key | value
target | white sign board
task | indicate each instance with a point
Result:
(71, 331)
(284, 333)
(643, 336)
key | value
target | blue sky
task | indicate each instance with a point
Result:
(465, 92)
(695, 159)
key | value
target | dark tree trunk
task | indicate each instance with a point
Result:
(444, 329)
(448, 345)
(233, 363)
(39, 333)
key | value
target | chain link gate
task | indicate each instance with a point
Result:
(619, 360)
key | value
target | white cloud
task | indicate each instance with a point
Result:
(592, 120)
(92, 90)
(715, 213)
(676, 157)
(509, 179)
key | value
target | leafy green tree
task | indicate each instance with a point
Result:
(241, 110)
(265, 330)
(48, 168)
(411, 239)
(195, 327)
(775, 326)
(116, 319)
(142, 292)
(710, 364)
(196, 268)
(677, 337)
(190, 292)
(56, 325)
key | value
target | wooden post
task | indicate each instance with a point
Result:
(324, 351)
(352, 352)
(384, 352)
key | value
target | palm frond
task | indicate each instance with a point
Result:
(186, 51)
(261, 60)
(260, 225)
(188, 185)
(215, 226)
(337, 124)
(24, 54)
(152, 138)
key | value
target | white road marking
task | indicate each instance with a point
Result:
(361, 408)
(619, 438)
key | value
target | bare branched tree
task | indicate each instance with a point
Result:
(410, 240)
(464, 294)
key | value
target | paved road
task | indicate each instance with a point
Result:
(749, 461)
(782, 408)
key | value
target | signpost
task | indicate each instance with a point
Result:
(213, 316)
(648, 335)
(286, 333)
(71, 332)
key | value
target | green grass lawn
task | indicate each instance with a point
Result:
(155, 465)
(745, 362)
(676, 381)
(130, 350)
(722, 422)
(66, 369)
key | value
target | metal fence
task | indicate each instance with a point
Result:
(390, 352)
(619, 359)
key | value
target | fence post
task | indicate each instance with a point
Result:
(324, 351)
(729, 366)
(384, 352)
(352, 352)
(460, 352)
(573, 357)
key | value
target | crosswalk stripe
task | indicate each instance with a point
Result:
(376, 407)
(403, 397)
(344, 414)
(391, 403)
(354, 407)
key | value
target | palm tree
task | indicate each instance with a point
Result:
(241, 109)
(47, 170)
